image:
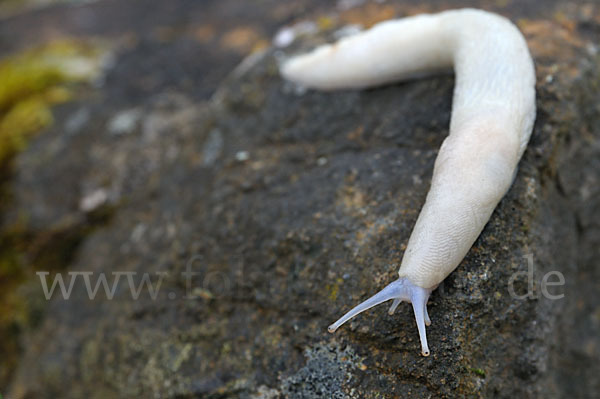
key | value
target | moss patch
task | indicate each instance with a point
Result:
(33, 81)
(479, 372)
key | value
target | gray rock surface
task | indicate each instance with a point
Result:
(294, 206)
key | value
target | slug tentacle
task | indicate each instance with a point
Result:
(394, 306)
(399, 290)
(419, 304)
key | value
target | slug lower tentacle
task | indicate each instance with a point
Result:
(493, 112)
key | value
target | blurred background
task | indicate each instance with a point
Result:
(149, 136)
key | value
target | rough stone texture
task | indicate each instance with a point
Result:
(294, 206)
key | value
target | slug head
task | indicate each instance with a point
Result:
(399, 290)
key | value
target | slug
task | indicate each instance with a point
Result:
(493, 112)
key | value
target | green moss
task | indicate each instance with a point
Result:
(33, 81)
(478, 371)
(334, 289)
(17, 125)
(12, 306)
(21, 253)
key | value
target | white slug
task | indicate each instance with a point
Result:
(492, 117)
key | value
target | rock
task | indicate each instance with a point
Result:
(316, 219)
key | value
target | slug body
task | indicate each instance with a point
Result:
(492, 117)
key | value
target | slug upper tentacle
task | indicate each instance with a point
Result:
(493, 111)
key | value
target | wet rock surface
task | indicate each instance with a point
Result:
(290, 207)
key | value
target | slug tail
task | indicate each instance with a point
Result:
(389, 51)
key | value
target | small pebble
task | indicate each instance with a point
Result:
(242, 156)
(93, 200)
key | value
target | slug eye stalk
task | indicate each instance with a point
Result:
(399, 290)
